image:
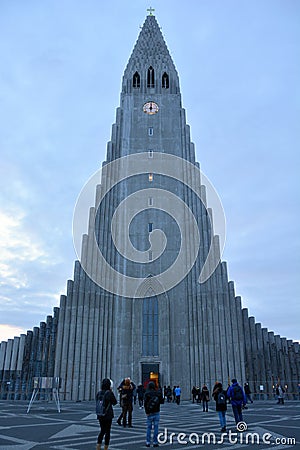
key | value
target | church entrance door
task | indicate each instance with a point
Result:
(150, 372)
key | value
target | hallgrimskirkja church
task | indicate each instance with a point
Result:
(150, 296)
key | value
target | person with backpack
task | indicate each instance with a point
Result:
(238, 400)
(105, 400)
(220, 397)
(152, 400)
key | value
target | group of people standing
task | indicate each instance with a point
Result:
(172, 395)
(201, 395)
(150, 399)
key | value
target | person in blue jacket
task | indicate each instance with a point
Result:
(237, 399)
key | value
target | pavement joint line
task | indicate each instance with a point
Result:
(15, 439)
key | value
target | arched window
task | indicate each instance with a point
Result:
(136, 80)
(165, 81)
(150, 77)
(150, 326)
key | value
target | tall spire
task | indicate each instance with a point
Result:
(150, 50)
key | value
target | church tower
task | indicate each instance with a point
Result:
(169, 326)
(150, 298)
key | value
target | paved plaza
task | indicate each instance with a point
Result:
(76, 427)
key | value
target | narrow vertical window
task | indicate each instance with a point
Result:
(150, 201)
(150, 326)
(150, 77)
(150, 227)
(150, 177)
(165, 81)
(136, 80)
(150, 153)
(150, 131)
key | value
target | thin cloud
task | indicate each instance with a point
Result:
(10, 331)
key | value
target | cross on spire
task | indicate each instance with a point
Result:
(150, 11)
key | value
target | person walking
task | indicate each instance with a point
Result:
(198, 395)
(134, 394)
(238, 399)
(169, 394)
(220, 397)
(247, 392)
(174, 394)
(280, 394)
(152, 400)
(205, 398)
(194, 393)
(177, 394)
(105, 400)
(140, 394)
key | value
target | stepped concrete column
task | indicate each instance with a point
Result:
(234, 327)
(63, 340)
(261, 359)
(249, 373)
(267, 361)
(229, 371)
(254, 353)
(279, 355)
(3, 347)
(241, 360)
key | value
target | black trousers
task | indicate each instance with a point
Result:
(105, 426)
(127, 409)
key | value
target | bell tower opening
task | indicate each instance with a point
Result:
(150, 78)
(165, 81)
(136, 80)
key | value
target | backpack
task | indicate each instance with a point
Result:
(153, 404)
(237, 393)
(221, 399)
(101, 411)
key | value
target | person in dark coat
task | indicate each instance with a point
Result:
(205, 397)
(220, 397)
(152, 400)
(106, 395)
(126, 394)
(194, 393)
(169, 394)
(248, 392)
(140, 393)
(237, 399)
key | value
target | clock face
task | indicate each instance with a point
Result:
(150, 108)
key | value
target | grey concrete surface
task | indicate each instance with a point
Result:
(76, 427)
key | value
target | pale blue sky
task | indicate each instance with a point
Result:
(60, 74)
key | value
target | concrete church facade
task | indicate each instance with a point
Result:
(182, 332)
